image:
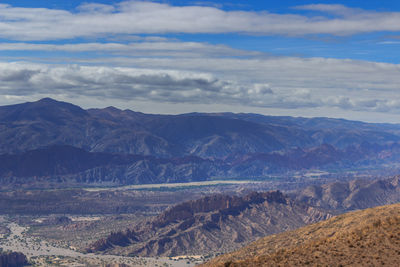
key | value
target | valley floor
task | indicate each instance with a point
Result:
(41, 252)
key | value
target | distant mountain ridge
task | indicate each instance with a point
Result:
(47, 122)
(75, 166)
(127, 147)
(71, 165)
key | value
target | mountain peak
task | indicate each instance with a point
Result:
(45, 109)
(47, 100)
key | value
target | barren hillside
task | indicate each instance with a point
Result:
(362, 238)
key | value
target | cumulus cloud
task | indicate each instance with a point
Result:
(119, 83)
(283, 83)
(142, 17)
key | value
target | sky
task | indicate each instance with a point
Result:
(297, 58)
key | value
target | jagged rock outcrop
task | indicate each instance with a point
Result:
(211, 224)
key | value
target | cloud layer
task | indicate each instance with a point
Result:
(140, 17)
(285, 83)
(169, 48)
(124, 84)
(127, 56)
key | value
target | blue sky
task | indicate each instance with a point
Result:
(299, 58)
(273, 6)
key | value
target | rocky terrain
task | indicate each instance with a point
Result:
(220, 223)
(336, 197)
(42, 251)
(363, 238)
(13, 259)
(357, 194)
(80, 201)
(211, 224)
(51, 142)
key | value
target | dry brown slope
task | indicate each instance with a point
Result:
(368, 237)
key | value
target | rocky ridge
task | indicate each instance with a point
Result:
(211, 224)
(345, 196)
(221, 223)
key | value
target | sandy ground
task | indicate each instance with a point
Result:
(32, 247)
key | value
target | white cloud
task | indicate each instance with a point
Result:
(143, 48)
(117, 83)
(282, 83)
(336, 9)
(138, 17)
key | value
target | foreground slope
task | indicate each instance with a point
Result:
(362, 238)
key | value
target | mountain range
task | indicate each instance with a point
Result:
(57, 141)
